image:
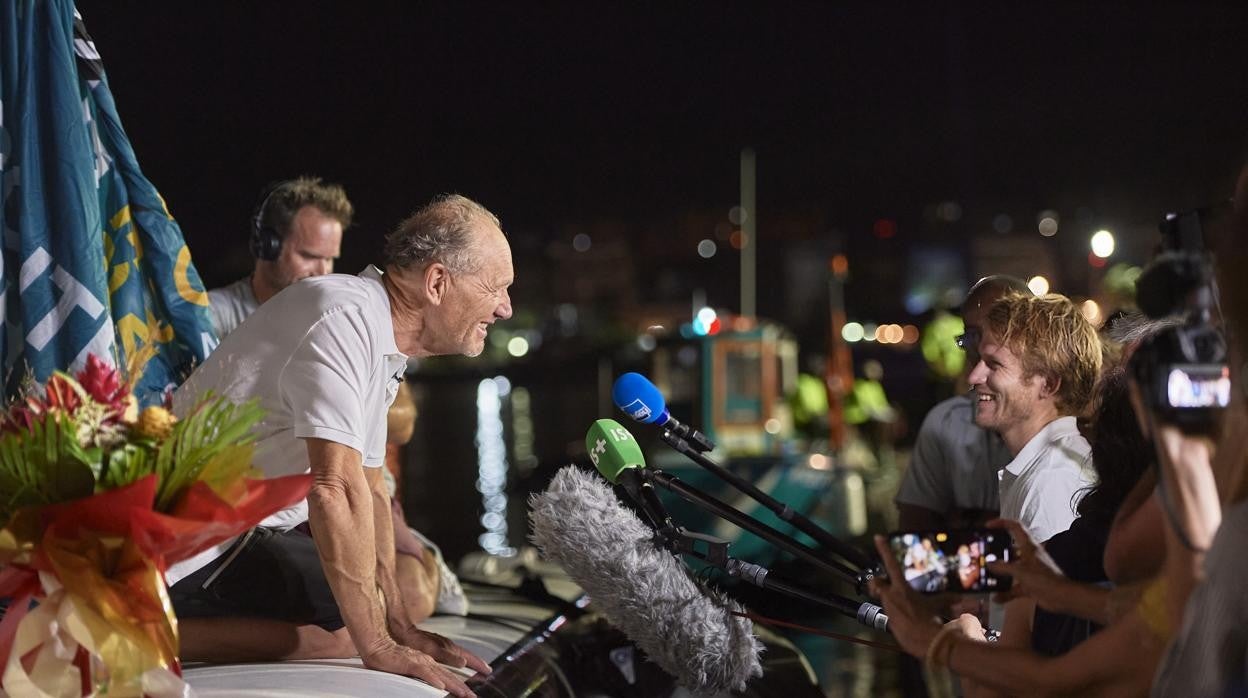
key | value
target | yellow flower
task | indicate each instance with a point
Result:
(131, 413)
(154, 423)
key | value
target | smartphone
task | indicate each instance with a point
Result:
(955, 561)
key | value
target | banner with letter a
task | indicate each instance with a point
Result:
(93, 263)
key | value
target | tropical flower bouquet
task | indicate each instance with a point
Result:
(97, 499)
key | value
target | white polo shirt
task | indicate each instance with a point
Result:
(1039, 487)
(321, 358)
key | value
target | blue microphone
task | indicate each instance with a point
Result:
(637, 397)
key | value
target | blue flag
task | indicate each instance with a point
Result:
(93, 263)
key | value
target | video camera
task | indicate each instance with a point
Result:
(1182, 370)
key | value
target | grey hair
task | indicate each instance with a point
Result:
(1132, 327)
(440, 231)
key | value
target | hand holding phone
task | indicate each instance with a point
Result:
(956, 560)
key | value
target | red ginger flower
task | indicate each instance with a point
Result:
(104, 384)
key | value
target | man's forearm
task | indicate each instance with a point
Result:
(340, 512)
(383, 533)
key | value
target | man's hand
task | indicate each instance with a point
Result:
(437, 647)
(397, 659)
(909, 619)
(1032, 576)
(968, 626)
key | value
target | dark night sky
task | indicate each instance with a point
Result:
(558, 114)
(551, 114)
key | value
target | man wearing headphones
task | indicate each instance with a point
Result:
(296, 232)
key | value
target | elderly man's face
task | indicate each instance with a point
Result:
(474, 301)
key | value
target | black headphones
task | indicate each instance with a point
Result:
(265, 242)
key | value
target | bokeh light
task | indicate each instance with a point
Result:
(1092, 311)
(852, 332)
(884, 229)
(1102, 243)
(518, 346)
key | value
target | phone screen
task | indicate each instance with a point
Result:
(952, 561)
(1196, 386)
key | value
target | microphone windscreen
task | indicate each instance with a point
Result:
(638, 398)
(648, 594)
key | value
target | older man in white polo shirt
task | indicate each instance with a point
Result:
(324, 358)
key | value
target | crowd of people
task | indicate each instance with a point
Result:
(1125, 518)
(1052, 442)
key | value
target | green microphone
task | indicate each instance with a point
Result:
(613, 449)
(618, 458)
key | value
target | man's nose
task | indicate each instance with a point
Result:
(979, 374)
(503, 311)
(325, 266)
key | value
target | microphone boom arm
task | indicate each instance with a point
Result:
(714, 552)
(780, 509)
(744, 521)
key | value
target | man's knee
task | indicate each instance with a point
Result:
(316, 642)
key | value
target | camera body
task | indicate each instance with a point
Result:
(1182, 370)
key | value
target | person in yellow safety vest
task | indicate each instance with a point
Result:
(866, 400)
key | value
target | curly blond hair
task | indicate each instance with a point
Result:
(1051, 338)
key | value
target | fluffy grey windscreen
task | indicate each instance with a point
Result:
(648, 594)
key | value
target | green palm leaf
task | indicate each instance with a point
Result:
(216, 425)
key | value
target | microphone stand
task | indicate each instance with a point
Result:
(744, 521)
(786, 513)
(714, 552)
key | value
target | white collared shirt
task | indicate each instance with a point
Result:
(1042, 485)
(321, 358)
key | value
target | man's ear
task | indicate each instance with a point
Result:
(1050, 383)
(437, 280)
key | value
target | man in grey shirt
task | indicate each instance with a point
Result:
(296, 232)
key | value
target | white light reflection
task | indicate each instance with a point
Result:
(492, 465)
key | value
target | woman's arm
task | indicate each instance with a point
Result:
(1123, 656)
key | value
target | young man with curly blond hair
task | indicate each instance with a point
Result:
(1039, 362)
